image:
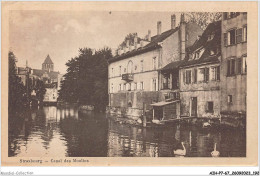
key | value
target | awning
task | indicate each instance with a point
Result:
(163, 103)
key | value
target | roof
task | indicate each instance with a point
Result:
(163, 103)
(39, 73)
(212, 28)
(203, 42)
(48, 60)
(149, 47)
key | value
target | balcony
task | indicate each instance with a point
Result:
(128, 77)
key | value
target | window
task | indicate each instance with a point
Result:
(210, 37)
(141, 85)
(124, 88)
(132, 86)
(206, 74)
(203, 75)
(215, 76)
(128, 86)
(112, 72)
(225, 39)
(197, 54)
(239, 35)
(231, 67)
(244, 33)
(130, 67)
(154, 63)
(188, 77)
(230, 100)
(241, 65)
(142, 66)
(195, 76)
(120, 70)
(212, 52)
(154, 85)
(230, 37)
(210, 107)
(119, 87)
(135, 87)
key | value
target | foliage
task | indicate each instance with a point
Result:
(16, 89)
(86, 79)
(40, 90)
(203, 19)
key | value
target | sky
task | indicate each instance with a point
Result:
(35, 34)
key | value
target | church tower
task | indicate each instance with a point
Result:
(48, 64)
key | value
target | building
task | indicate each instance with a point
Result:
(50, 78)
(233, 64)
(135, 79)
(200, 75)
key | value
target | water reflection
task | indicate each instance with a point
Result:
(52, 131)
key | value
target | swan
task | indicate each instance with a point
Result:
(156, 121)
(206, 124)
(215, 153)
(180, 152)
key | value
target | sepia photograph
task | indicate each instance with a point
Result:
(125, 83)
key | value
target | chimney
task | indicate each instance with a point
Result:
(135, 42)
(159, 27)
(149, 35)
(182, 37)
(182, 18)
(173, 21)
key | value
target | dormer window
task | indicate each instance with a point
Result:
(212, 52)
(210, 37)
(197, 54)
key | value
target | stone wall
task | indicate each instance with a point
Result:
(130, 104)
(202, 98)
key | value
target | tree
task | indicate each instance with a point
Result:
(86, 79)
(16, 89)
(40, 90)
(203, 19)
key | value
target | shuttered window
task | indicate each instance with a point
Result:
(195, 75)
(239, 35)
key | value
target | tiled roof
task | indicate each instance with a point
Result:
(48, 60)
(149, 47)
(203, 42)
(212, 28)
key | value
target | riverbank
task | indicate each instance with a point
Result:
(196, 121)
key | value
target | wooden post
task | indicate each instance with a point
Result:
(144, 115)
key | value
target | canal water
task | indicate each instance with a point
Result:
(59, 132)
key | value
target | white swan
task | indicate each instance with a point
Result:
(156, 121)
(206, 124)
(180, 152)
(215, 153)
